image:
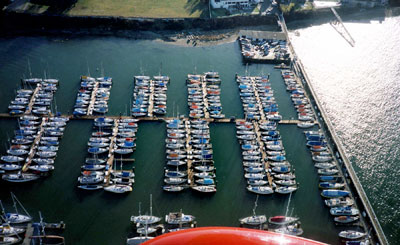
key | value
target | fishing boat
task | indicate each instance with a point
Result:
(118, 188)
(351, 234)
(145, 219)
(264, 190)
(346, 219)
(205, 188)
(178, 218)
(90, 187)
(334, 193)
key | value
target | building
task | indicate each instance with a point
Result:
(228, 4)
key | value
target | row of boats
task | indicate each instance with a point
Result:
(93, 96)
(13, 228)
(34, 148)
(37, 101)
(147, 226)
(260, 49)
(189, 156)
(263, 153)
(332, 185)
(204, 95)
(110, 137)
(150, 96)
(258, 98)
(305, 113)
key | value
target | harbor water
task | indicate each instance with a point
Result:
(103, 218)
(359, 89)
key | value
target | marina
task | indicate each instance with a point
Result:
(150, 157)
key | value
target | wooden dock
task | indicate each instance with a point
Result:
(262, 150)
(110, 160)
(259, 103)
(151, 100)
(92, 99)
(29, 232)
(188, 147)
(205, 99)
(33, 98)
(34, 146)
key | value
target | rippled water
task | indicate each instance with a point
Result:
(359, 88)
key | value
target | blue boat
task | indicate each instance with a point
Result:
(315, 137)
(316, 143)
(334, 193)
(330, 178)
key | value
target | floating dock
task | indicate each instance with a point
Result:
(34, 146)
(33, 98)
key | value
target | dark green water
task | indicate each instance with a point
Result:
(103, 218)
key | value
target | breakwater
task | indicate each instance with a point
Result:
(371, 221)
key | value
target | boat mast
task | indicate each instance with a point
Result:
(255, 206)
(12, 195)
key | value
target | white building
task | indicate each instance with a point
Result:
(226, 4)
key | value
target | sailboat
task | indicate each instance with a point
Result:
(145, 219)
(254, 219)
(16, 218)
(44, 239)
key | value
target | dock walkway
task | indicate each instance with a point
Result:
(34, 146)
(263, 153)
(110, 159)
(92, 99)
(33, 98)
(188, 147)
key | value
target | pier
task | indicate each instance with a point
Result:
(35, 144)
(33, 98)
(188, 147)
(372, 222)
(205, 100)
(151, 100)
(259, 103)
(263, 153)
(110, 160)
(92, 98)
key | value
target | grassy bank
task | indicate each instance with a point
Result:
(142, 8)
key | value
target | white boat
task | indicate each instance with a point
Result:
(90, 179)
(288, 176)
(264, 190)
(178, 218)
(145, 219)
(285, 189)
(20, 177)
(285, 182)
(346, 219)
(11, 159)
(325, 165)
(282, 220)
(17, 152)
(340, 201)
(254, 219)
(322, 158)
(138, 240)
(10, 167)
(340, 211)
(205, 188)
(305, 124)
(293, 230)
(351, 234)
(9, 240)
(146, 230)
(41, 168)
(7, 230)
(331, 171)
(118, 188)
(90, 187)
(174, 181)
(173, 188)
